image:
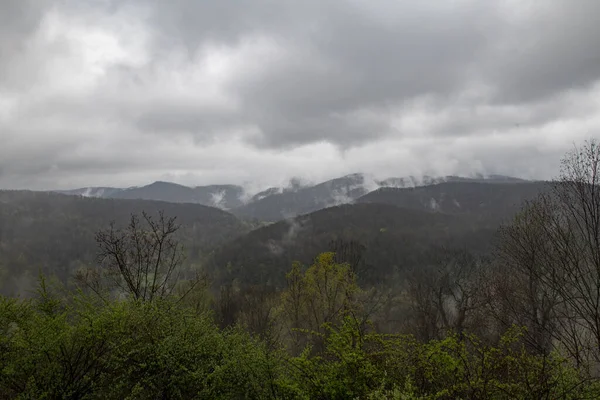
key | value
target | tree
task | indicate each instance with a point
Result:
(573, 230)
(321, 296)
(521, 294)
(446, 293)
(143, 260)
(556, 246)
(350, 252)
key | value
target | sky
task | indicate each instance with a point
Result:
(255, 92)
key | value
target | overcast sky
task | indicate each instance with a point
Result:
(126, 92)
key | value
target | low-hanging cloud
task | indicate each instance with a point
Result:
(124, 92)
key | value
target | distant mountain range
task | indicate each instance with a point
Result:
(220, 196)
(476, 198)
(397, 226)
(397, 221)
(279, 203)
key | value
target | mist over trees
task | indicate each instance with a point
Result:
(366, 301)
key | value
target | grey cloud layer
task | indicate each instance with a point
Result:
(113, 92)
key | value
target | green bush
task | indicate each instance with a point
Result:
(459, 367)
(125, 349)
(75, 347)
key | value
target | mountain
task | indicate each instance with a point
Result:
(277, 204)
(426, 180)
(274, 205)
(54, 233)
(394, 239)
(161, 191)
(225, 197)
(398, 227)
(222, 196)
(495, 199)
(266, 193)
(98, 192)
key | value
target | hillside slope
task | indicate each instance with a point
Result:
(54, 233)
(492, 201)
(275, 206)
(394, 239)
(222, 196)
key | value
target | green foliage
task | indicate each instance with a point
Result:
(76, 347)
(378, 366)
(321, 296)
(79, 349)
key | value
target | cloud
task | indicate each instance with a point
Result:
(546, 48)
(124, 92)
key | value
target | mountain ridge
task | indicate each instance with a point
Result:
(276, 203)
(55, 233)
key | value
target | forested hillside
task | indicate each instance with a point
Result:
(392, 239)
(305, 199)
(222, 196)
(54, 233)
(485, 200)
(276, 205)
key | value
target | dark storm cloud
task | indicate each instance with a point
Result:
(553, 50)
(338, 59)
(18, 20)
(122, 91)
(176, 118)
(343, 57)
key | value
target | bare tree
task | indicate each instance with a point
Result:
(228, 305)
(143, 260)
(574, 233)
(521, 294)
(350, 252)
(556, 247)
(421, 292)
(447, 293)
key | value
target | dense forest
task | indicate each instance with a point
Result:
(467, 290)
(54, 234)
